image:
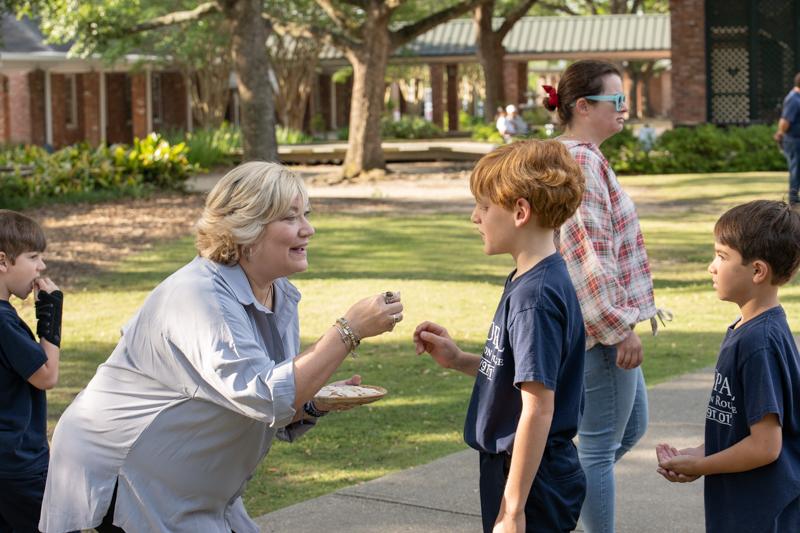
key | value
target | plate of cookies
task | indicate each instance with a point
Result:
(349, 395)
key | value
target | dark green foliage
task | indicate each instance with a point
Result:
(705, 148)
(409, 128)
(31, 175)
(209, 147)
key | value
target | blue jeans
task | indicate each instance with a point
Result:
(614, 419)
(791, 150)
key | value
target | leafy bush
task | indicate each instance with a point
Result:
(209, 147)
(537, 116)
(290, 136)
(705, 148)
(409, 128)
(30, 172)
(467, 122)
(486, 132)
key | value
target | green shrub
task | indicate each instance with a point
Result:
(705, 148)
(537, 116)
(33, 175)
(158, 162)
(409, 128)
(486, 132)
(209, 147)
(467, 122)
(290, 136)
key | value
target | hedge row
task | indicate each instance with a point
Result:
(705, 148)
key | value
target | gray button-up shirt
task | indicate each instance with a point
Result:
(182, 412)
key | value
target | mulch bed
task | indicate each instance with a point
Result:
(84, 239)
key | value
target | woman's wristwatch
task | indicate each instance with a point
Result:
(311, 410)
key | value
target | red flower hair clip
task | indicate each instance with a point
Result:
(552, 95)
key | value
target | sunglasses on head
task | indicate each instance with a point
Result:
(617, 98)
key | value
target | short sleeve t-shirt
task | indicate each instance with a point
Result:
(537, 334)
(23, 407)
(757, 373)
(791, 113)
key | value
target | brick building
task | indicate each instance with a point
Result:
(734, 61)
(48, 98)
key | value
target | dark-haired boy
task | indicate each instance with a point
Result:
(528, 393)
(27, 369)
(751, 454)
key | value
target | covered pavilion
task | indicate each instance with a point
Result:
(536, 40)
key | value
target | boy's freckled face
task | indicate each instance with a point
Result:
(731, 279)
(495, 224)
(20, 276)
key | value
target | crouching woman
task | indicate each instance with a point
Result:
(207, 373)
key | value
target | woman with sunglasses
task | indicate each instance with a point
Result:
(607, 261)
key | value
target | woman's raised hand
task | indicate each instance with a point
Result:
(375, 315)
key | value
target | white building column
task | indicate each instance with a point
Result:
(334, 125)
(48, 110)
(103, 108)
(148, 100)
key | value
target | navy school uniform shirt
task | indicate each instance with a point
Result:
(758, 373)
(537, 334)
(791, 112)
(23, 407)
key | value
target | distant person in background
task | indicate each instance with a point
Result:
(516, 125)
(501, 122)
(647, 137)
(788, 137)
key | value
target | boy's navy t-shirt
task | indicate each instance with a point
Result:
(537, 335)
(758, 373)
(23, 407)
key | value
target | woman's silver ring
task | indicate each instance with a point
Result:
(397, 317)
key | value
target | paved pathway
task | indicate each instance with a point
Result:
(442, 496)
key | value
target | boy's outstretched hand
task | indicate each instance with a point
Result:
(677, 465)
(434, 339)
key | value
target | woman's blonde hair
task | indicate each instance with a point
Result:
(239, 206)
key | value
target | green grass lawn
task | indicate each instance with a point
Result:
(437, 263)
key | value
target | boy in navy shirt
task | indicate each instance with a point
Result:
(751, 455)
(528, 393)
(27, 368)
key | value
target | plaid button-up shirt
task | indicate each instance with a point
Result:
(603, 247)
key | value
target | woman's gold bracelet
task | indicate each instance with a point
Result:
(350, 339)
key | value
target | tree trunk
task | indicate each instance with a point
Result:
(210, 91)
(295, 65)
(491, 55)
(252, 71)
(364, 152)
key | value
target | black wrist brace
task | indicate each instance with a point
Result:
(48, 312)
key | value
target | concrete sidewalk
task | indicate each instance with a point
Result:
(442, 496)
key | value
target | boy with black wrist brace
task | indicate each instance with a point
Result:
(27, 369)
(751, 454)
(528, 392)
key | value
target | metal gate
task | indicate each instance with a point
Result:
(752, 55)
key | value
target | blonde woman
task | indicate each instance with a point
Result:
(206, 374)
